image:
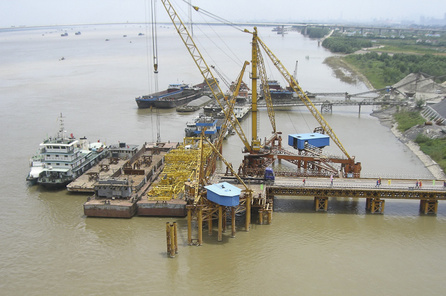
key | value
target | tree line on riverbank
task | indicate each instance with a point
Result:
(346, 44)
(390, 65)
(385, 69)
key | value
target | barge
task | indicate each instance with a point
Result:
(175, 95)
(117, 196)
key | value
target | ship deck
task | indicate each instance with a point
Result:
(102, 170)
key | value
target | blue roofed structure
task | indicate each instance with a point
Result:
(298, 141)
(224, 194)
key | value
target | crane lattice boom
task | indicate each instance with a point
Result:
(204, 69)
(303, 97)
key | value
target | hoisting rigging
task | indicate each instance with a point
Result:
(259, 156)
(155, 63)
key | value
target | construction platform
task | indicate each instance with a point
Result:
(116, 196)
(106, 168)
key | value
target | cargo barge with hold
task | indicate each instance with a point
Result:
(175, 95)
(117, 196)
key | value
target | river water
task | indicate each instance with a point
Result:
(49, 248)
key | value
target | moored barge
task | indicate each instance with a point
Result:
(117, 196)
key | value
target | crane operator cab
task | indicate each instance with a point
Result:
(269, 176)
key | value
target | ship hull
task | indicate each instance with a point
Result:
(174, 102)
(171, 98)
(171, 208)
(109, 209)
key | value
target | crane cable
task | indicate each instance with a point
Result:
(149, 86)
(155, 63)
(213, 16)
(203, 12)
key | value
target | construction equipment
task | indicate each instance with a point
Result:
(351, 167)
(204, 69)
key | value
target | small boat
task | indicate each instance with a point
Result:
(211, 125)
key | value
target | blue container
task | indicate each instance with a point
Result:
(224, 194)
(298, 141)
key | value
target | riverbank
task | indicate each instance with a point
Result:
(350, 74)
(347, 72)
(386, 118)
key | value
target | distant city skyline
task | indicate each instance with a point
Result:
(63, 12)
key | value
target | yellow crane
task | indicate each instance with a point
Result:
(351, 167)
(204, 69)
(301, 94)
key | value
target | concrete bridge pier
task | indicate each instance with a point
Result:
(326, 107)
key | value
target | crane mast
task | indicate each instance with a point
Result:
(265, 89)
(303, 97)
(254, 111)
(204, 69)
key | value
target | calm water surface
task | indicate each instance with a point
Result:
(49, 248)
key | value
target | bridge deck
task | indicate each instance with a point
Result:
(358, 188)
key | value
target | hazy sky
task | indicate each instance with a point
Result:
(59, 12)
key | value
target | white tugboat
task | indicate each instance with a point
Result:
(65, 158)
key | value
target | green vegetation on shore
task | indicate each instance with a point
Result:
(346, 44)
(408, 119)
(435, 148)
(410, 46)
(384, 69)
(314, 32)
(397, 58)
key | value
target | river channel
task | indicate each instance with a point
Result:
(48, 247)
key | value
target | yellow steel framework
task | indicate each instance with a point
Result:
(265, 86)
(204, 69)
(180, 166)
